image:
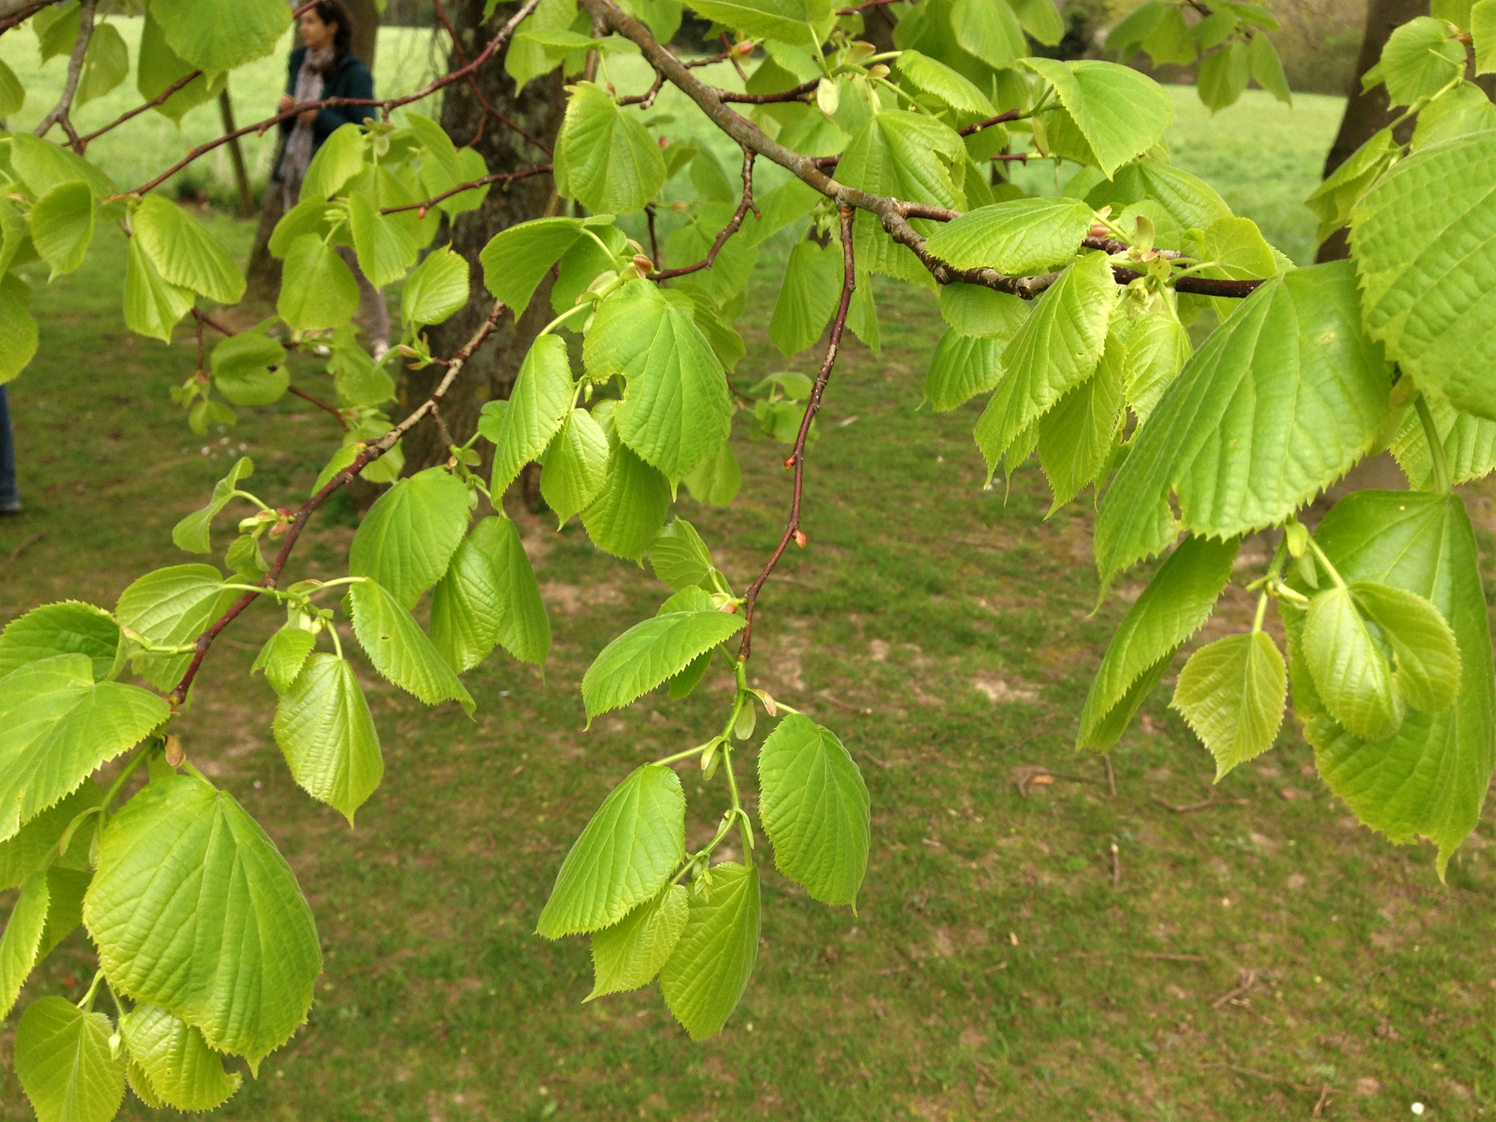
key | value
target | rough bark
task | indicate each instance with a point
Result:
(539, 109)
(365, 29)
(1366, 113)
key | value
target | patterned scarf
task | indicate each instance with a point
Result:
(298, 154)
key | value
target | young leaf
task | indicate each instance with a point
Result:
(437, 290)
(12, 93)
(170, 608)
(523, 627)
(1232, 693)
(65, 1063)
(716, 480)
(790, 21)
(324, 727)
(576, 466)
(400, 650)
(250, 369)
(21, 943)
(68, 627)
(106, 63)
(191, 533)
(1280, 401)
(1351, 675)
(629, 512)
(57, 725)
(1057, 348)
(193, 909)
(1267, 68)
(284, 655)
(1158, 346)
(62, 225)
(1419, 59)
(538, 406)
(627, 853)
(1017, 237)
(808, 297)
(480, 598)
(184, 253)
(630, 953)
(1120, 112)
(650, 652)
(159, 68)
(1426, 295)
(181, 1069)
(679, 557)
(410, 533)
(1175, 605)
(516, 259)
(1483, 35)
(385, 248)
(18, 330)
(1077, 436)
(1423, 644)
(815, 809)
(34, 846)
(317, 290)
(1188, 200)
(216, 35)
(1223, 75)
(677, 407)
(612, 163)
(152, 305)
(703, 980)
(938, 79)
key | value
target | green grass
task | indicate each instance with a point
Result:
(993, 969)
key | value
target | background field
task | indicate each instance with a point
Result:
(992, 970)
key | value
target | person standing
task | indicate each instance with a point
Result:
(10, 496)
(325, 67)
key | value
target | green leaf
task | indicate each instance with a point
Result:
(42, 166)
(153, 306)
(472, 600)
(324, 727)
(184, 253)
(284, 655)
(707, 974)
(981, 313)
(790, 21)
(67, 627)
(1483, 34)
(1267, 68)
(57, 30)
(1136, 27)
(57, 725)
(612, 163)
(539, 404)
(677, 407)
(524, 60)
(630, 953)
(65, 889)
(1174, 606)
(582, 264)
(517, 259)
(1352, 678)
(1281, 400)
(34, 846)
(409, 535)
(221, 34)
(523, 628)
(1041, 19)
(1419, 59)
(317, 290)
(192, 533)
(627, 853)
(21, 943)
(310, 216)
(962, 368)
(1120, 112)
(987, 29)
(359, 380)
(400, 650)
(170, 608)
(814, 806)
(1335, 199)
(1469, 445)
(1077, 437)
(250, 369)
(18, 329)
(65, 1064)
(1428, 291)
(180, 1067)
(716, 480)
(1232, 694)
(12, 93)
(1057, 348)
(1187, 199)
(808, 297)
(62, 225)
(385, 249)
(437, 290)
(1424, 650)
(1430, 778)
(159, 68)
(938, 79)
(576, 466)
(679, 557)
(629, 512)
(1223, 75)
(1453, 114)
(1158, 346)
(106, 63)
(193, 909)
(649, 653)
(1018, 237)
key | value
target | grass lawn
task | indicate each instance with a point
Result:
(1260, 957)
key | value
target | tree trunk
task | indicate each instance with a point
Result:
(1366, 113)
(539, 109)
(264, 271)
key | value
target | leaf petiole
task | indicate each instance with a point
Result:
(1435, 445)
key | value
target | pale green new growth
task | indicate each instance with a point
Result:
(630, 953)
(324, 727)
(648, 653)
(180, 1068)
(65, 1063)
(715, 956)
(1232, 693)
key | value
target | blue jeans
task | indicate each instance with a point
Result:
(10, 497)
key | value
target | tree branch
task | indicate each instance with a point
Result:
(481, 181)
(15, 12)
(180, 83)
(727, 231)
(796, 459)
(371, 452)
(337, 414)
(75, 71)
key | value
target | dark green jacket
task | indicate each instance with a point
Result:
(350, 79)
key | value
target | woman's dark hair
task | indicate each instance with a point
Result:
(335, 11)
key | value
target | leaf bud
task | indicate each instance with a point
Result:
(743, 49)
(878, 70)
(421, 213)
(800, 539)
(174, 753)
(789, 462)
(643, 263)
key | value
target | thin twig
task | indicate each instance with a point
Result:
(472, 184)
(25, 545)
(645, 100)
(1116, 866)
(1248, 980)
(320, 404)
(1204, 804)
(802, 92)
(64, 104)
(796, 459)
(179, 84)
(728, 231)
(203, 317)
(24, 13)
(371, 452)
